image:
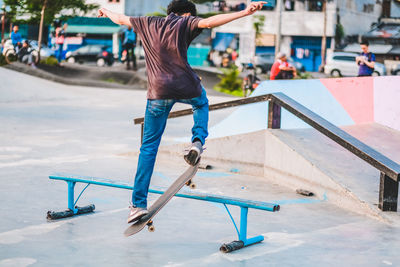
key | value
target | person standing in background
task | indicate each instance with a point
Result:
(60, 38)
(129, 44)
(366, 60)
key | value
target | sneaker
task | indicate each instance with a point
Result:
(194, 153)
(136, 213)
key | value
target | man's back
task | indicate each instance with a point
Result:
(166, 41)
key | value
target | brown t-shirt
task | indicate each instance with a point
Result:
(165, 42)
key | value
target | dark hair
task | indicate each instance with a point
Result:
(365, 42)
(181, 7)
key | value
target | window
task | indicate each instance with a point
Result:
(83, 49)
(344, 58)
(315, 5)
(95, 49)
(368, 8)
(289, 5)
(269, 6)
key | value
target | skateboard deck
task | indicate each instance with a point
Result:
(185, 178)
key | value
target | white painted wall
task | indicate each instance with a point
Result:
(118, 7)
(354, 19)
(395, 10)
(143, 7)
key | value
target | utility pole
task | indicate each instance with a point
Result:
(278, 35)
(3, 22)
(323, 43)
(41, 29)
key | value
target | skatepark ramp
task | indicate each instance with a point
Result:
(389, 170)
(296, 156)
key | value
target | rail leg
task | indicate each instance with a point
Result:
(274, 115)
(72, 210)
(243, 230)
(71, 197)
(243, 241)
(388, 193)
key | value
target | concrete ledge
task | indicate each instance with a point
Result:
(266, 154)
(136, 79)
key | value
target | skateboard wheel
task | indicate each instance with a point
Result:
(192, 186)
(188, 183)
(151, 228)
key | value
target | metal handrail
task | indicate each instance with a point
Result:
(390, 170)
(228, 104)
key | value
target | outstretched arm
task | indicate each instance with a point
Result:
(115, 17)
(222, 19)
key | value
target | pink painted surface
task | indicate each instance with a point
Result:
(387, 101)
(356, 95)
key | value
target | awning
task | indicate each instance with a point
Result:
(385, 31)
(395, 50)
(374, 48)
(92, 29)
(91, 25)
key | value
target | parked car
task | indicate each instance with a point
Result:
(340, 64)
(264, 62)
(100, 54)
(396, 71)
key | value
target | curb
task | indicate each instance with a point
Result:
(16, 66)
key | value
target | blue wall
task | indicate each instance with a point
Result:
(197, 56)
(311, 46)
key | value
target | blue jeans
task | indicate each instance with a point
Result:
(155, 120)
(60, 52)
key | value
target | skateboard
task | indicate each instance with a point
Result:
(184, 179)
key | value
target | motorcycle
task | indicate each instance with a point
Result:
(250, 81)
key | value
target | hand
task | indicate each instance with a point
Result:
(254, 6)
(102, 13)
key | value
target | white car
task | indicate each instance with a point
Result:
(340, 64)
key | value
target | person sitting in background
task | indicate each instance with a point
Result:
(281, 69)
(16, 38)
(25, 54)
(366, 60)
(210, 58)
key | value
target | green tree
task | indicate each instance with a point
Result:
(230, 81)
(258, 24)
(31, 10)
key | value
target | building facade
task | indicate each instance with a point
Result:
(117, 6)
(301, 27)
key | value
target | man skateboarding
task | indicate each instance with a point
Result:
(170, 80)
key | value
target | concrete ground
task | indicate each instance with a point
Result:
(48, 127)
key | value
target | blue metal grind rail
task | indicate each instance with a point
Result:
(244, 205)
